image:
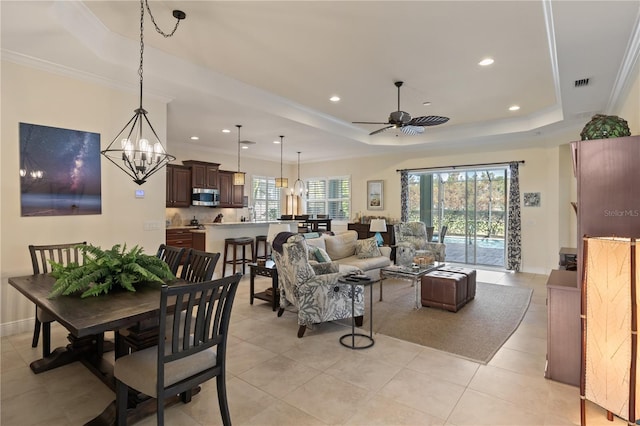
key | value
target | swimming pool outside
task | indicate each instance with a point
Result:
(496, 243)
(488, 251)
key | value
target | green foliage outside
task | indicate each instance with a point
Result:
(468, 202)
(105, 269)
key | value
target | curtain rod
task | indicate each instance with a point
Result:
(460, 166)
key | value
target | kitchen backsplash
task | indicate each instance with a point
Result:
(183, 216)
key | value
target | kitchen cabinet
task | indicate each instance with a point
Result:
(203, 174)
(198, 240)
(178, 186)
(186, 238)
(230, 195)
(179, 237)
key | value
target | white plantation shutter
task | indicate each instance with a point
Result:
(266, 198)
(330, 196)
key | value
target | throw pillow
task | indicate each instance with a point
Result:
(322, 256)
(367, 248)
(311, 250)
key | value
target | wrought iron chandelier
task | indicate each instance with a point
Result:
(135, 150)
(238, 177)
(281, 182)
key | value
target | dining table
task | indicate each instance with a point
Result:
(132, 316)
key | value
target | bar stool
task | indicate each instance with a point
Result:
(234, 243)
(261, 240)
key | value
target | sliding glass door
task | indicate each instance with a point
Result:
(471, 203)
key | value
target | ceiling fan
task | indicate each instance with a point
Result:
(403, 121)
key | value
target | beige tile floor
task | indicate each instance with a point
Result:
(274, 378)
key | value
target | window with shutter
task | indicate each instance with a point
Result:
(329, 195)
(266, 198)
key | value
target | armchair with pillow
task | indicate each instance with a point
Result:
(314, 291)
(412, 241)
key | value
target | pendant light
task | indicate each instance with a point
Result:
(299, 187)
(238, 177)
(281, 182)
(135, 150)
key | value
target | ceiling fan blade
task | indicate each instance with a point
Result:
(370, 122)
(412, 130)
(428, 120)
(375, 132)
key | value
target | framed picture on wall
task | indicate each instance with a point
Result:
(531, 199)
(375, 195)
(59, 171)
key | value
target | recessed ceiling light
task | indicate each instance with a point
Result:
(226, 131)
(426, 103)
(245, 147)
(334, 98)
(194, 138)
(485, 62)
(514, 108)
(276, 142)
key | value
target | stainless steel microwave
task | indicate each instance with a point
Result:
(205, 197)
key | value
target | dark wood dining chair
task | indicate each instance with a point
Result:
(191, 354)
(199, 266)
(40, 257)
(171, 256)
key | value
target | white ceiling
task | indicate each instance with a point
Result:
(272, 66)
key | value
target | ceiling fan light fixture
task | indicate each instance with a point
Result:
(401, 119)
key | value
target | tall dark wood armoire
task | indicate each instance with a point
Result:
(608, 176)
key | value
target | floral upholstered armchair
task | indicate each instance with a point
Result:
(314, 291)
(411, 241)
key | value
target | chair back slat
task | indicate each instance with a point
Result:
(171, 256)
(210, 303)
(199, 266)
(59, 253)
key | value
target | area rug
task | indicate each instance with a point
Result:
(475, 332)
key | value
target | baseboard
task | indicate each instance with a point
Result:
(16, 327)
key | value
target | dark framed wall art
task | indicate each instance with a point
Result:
(59, 171)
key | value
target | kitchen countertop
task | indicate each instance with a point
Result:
(188, 227)
(248, 223)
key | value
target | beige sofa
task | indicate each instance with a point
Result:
(341, 248)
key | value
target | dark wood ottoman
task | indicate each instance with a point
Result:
(471, 278)
(445, 290)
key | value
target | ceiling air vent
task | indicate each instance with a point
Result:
(581, 83)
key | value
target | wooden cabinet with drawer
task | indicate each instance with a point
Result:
(181, 237)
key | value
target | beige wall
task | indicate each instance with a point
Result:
(43, 98)
(541, 236)
(630, 109)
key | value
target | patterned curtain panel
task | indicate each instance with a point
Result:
(514, 251)
(404, 196)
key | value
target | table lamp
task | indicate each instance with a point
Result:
(378, 226)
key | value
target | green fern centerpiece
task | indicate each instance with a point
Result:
(105, 269)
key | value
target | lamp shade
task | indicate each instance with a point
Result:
(378, 225)
(238, 178)
(275, 229)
